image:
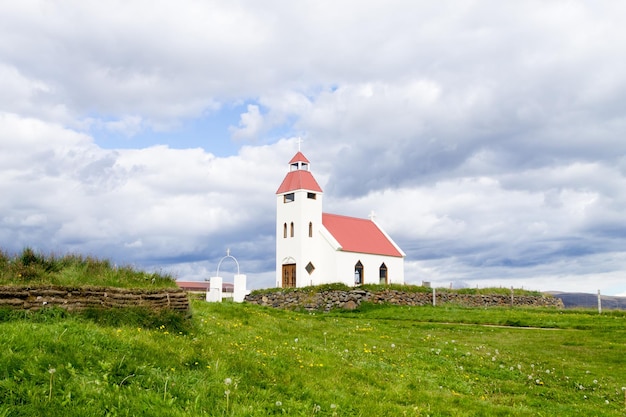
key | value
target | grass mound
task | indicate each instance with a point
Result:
(399, 287)
(33, 268)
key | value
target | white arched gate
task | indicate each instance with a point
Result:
(215, 293)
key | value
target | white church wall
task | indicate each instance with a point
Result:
(371, 268)
(395, 270)
(299, 248)
(323, 258)
(331, 265)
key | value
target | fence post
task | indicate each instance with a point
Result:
(434, 298)
(599, 303)
(512, 303)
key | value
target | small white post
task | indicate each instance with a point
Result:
(214, 295)
(434, 298)
(239, 288)
(599, 303)
(512, 304)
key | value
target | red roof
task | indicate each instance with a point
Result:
(359, 235)
(299, 157)
(299, 180)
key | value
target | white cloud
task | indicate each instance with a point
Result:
(18, 91)
(488, 136)
(250, 124)
(146, 205)
(128, 125)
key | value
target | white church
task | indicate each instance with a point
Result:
(313, 247)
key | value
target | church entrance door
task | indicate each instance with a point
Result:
(289, 276)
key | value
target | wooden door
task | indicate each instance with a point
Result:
(289, 276)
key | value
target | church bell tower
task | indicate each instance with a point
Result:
(298, 220)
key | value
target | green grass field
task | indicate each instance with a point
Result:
(245, 360)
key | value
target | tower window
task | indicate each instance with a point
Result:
(310, 229)
(292, 229)
(288, 198)
(285, 230)
(312, 196)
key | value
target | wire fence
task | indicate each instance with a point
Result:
(586, 300)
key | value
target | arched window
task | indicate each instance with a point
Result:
(310, 229)
(285, 230)
(358, 273)
(382, 274)
(292, 229)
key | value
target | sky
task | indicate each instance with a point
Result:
(489, 137)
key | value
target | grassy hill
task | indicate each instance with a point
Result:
(33, 268)
(245, 360)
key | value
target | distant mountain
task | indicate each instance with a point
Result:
(584, 300)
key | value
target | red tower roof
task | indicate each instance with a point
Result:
(359, 235)
(299, 157)
(299, 178)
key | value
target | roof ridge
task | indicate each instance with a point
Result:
(348, 217)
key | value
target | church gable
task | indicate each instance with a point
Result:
(359, 235)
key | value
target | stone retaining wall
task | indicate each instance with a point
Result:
(72, 299)
(328, 300)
